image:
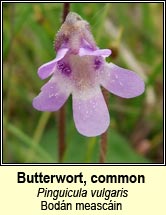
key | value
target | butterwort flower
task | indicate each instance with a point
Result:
(80, 69)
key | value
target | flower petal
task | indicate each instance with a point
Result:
(122, 82)
(91, 114)
(48, 68)
(99, 52)
(51, 98)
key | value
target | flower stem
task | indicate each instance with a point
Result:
(66, 8)
(62, 115)
(61, 134)
(103, 147)
(104, 136)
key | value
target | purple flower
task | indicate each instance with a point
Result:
(80, 69)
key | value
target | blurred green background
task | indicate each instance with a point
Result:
(134, 32)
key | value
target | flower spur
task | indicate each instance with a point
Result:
(80, 69)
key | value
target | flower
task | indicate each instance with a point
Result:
(80, 69)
